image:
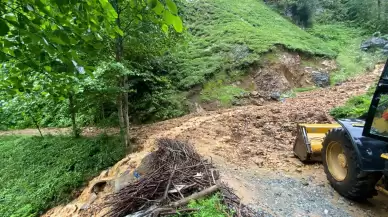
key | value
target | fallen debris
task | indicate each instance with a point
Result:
(176, 173)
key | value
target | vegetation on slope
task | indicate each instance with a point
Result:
(355, 107)
(37, 173)
(228, 34)
(346, 42)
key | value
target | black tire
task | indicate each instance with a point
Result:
(357, 185)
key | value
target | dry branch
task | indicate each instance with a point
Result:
(173, 163)
(195, 196)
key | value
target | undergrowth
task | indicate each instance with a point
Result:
(222, 88)
(37, 173)
(211, 206)
(346, 42)
(355, 107)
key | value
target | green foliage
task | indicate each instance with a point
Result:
(38, 173)
(211, 206)
(226, 35)
(346, 42)
(304, 89)
(221, 88)
(370, 15)
(221, 93)
(355, 107)
(47, 36)
(158, 105)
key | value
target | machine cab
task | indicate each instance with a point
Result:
(376, 125)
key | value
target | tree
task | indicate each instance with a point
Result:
(47, 38)
(154, 11)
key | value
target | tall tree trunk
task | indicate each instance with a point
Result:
(121, 118)
(122, 101)
(379, 11)
(73, 112)
(126, 106)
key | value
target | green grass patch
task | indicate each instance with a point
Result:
(211, 206)
(228, 34)
(292, 93)
(355, 106)
(304, 89)
(220, 88)
(37, 173)
(346, 42)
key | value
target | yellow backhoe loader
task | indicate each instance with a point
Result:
(354, 152)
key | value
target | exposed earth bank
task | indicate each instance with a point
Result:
(252, 147)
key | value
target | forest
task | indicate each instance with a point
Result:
(123, 63)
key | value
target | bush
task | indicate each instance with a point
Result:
(38, 173)
(355, 107)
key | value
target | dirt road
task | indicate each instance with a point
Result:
(252, 147)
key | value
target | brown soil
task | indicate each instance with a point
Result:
(250, 138)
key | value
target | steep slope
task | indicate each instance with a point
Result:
(227, 35)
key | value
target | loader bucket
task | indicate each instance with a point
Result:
(308, 143)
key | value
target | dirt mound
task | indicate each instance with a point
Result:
(248, 136)
(283, 71)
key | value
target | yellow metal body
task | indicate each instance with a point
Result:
(308, 147)
(308, 144)
(385, 156)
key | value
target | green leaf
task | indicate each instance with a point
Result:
(47, 68)
(159, 8)
(178, 25)
(152, 3)
(172, 7)
(168, 17)
(119, 31)
(140, 17)
(165, 28)
(4, 28)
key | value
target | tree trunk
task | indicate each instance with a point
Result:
(36, 124)
(121, 117)
(125, 110)
(122, 101)
(379, 11)
(73, 115)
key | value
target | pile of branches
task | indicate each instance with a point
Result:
(177, 175)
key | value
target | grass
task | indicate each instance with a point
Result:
(37, 173)
(221, 88)
(346, 42)
(355, 107)
(226, 35)
(211, 206)
(292, 93)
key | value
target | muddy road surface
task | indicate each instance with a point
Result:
(252, 147)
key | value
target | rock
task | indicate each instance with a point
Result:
(321, 79)
(259, 162)
(374, 42)
(326, 211)
(92, 198)
(256, 102)
(299, 170)
(275, 96)
(254, 93)
(236, 103)
(275, 111)
(305, 183)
